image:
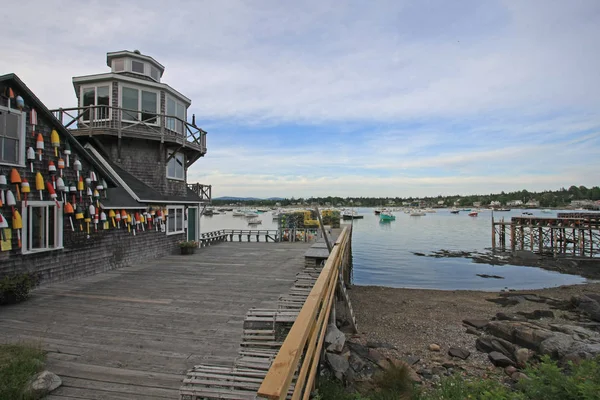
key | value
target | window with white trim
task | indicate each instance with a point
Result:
(175, 166)
(96, 96)
(175, 220)
(12, 137)
(139, 103)
(175, 109)
(119, 65)
(42, 227)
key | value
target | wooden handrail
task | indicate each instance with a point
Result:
(307, 332)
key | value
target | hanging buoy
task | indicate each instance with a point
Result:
(105, 187)
(3, 224)
(55, 141)
(124, 219)
(87, 219)
(129, 224)
(20, 105)
(15, 179)
(61, 165)
(112, 215)
(39, 145)
(103, 220)
(77, 165)
(79, 216)
(73, 191)
(25, 189)
(10, 201)
(69, 211)
(52, 171)
(17, 224)
(67, 151)
(52, 193)
(30, 158)
(80, 188)
(159, 219)
(93, 176)
(88, 192)
(96, 196)
(137, 220)
(96, 217)
(34, 121)
(39, 184)
(3, 187)
(62, 188)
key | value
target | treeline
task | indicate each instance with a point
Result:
(556, 198)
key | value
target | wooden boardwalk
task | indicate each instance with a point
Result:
(133, 333)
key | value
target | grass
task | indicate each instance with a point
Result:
(18, 364)
(547, 381)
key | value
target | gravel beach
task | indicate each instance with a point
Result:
(412, 319)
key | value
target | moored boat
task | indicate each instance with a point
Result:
(417, 213)
(473, 214)
(351, 214)
(386, 216)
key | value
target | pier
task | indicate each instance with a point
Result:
(568, 235)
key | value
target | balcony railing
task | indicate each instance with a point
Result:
(203, 191)
(120, 122)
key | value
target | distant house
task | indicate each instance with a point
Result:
(495, 203)
(515, 203)
(440, 202)
(457, 203)
(476, 204)
(532, 203)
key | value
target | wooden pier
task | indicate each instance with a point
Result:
(133, 333)
(570, 234)
(259, 235)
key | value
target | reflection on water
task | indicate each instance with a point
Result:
(382, 251)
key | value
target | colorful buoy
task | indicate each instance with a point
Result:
(39, 184)
(69, 211)
(25, 189)
(30, 158)
(15, 179)
(67, 151)
(55, 141)
(39, 145)
(17, 224)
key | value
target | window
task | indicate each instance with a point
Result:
(119, 65)
(175, 109)
(42, 227)
(175, 166)
(137, 66)
(154, 74)
(175, 220)
(12, 137)
(96, 96)
(138, 104)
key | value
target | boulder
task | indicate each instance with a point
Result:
(557, 346)
(580, 331)
(500, 360)
(509, 317)
(475, 323)
(339, 364)
(358, 348)
(334, 339)
(472, 331)
(458, 352)
(356, 362)
(510, 370)
(508, 301)
(530, 337)
(43, 383)
(489, 344)
(537, 314)
(587, 305)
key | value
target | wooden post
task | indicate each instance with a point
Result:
(323, 230)
(540, 240)
(493, 233)
(512, 237)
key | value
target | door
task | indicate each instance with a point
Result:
(192, 223)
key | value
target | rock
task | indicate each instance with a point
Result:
(375, 356)
(438, 370)
(475, 323)
(358, 348)
(510, 370)
(557, 346)
(490, 276)
(356, 362)
(379, 345)
(435, 378)
(411, 360)
(334, 339)
(522, 356)
(458, 352)
(575, 330)
(577, 357)
(507, 301)
(472, 331)
(339, 365)
(500, 360)
(588, 305)
(489, 344)
(517, 376)
(425, 373)
(43, 383)
(537, 314)
(449, 364)
(434, 347)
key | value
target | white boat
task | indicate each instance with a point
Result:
(254, 221)
(430, 211)
(351, 214)
(238, 213)
(418, 213)
(547, 211)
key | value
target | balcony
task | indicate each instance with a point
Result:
(121, 122)
(203, 191)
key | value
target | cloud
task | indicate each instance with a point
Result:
(364, 91)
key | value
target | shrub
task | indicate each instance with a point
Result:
(18, 364)
(188, 244)
(16, 288)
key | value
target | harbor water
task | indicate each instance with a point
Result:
(383, 253)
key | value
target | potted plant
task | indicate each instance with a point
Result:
(188, 247)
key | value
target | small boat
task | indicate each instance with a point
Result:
(430, 211)
(473, 214)
(527, 213)
(503, 209)
(238, 213)
(466, 209)
(254, 221)
(454, 211)
(386, 216)
(547, 211)
(348, 214)
(377, 211)
(417, 213)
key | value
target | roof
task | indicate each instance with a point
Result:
(43, 111)
(133, 54)
(134, 191)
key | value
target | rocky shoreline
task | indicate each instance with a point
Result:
(586, 267)
(475, 334)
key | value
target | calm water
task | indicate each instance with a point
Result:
(382, 252)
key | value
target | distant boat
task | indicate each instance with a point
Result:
(473, 214)
(547, 211)
(454, 211)
(503, 209)
(350, 214)
(386, 216)
(238, 213)
(254, 221)
(418, 213)
(527, 213)
(466, 209)
(377, 211)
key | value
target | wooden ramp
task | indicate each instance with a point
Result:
(133, 333)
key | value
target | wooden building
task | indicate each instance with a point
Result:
(122, 156)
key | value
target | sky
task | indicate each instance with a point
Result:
(348, 98)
